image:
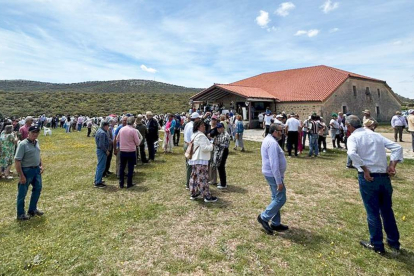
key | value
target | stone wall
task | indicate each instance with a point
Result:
(303, 109)
(345, 98)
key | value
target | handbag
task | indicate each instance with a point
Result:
(189, 152)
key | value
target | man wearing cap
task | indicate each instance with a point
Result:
(24, 130)
(410, 120)
(29, 166)
(152, 135)
(398, 123)
(102, 151)
(367, 115)
(367, 152)
(188, 131)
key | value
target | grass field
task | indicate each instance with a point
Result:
(155, 229)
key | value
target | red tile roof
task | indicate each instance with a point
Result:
(315, 83)
(248, 92)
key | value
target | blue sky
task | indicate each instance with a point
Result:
(198, 43)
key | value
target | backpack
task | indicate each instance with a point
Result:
(189, 152)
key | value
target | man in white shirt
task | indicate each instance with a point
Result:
(367, 152)
(292, 130)
(267, 121)
(188, 131)
(398, 123)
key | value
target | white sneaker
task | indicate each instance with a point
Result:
(211, 199)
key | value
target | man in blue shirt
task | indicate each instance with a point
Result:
(102, 151)
(273, 169)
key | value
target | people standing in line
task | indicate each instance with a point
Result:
(335, 129)
(117, 152)
(8, 142)
(273, 169)
(300, 145)
(314, 127)
(68, 124)
(128, 142)
(89, 126)
(239, 130)
(177, 129)
(24, 130)
(410, 120)
(202, 149)
(111, 138)
(29, 166)
(211, 135)
(367, 116)
(144, 131)
(152, 136)
(305, 131)
(292, 130)
(169, 134)
(398, 123)
(323, 133)
(267, 121)
(367, 152)
(188, 132)
(220, 153)
(102, 151)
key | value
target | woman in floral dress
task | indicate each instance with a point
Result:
(8, 141)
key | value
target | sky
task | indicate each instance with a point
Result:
(198, 43)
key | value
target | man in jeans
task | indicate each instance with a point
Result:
(273, 168)
(128, 142)
(313, 127)
(102, 151)
(367, 152)
(29, 166)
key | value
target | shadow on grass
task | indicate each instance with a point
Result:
(304, 237)
(233, 189)
(115, 188)
(219, 204)
(406, 257)
(32, 223)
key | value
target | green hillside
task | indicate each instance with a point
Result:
(22, 98)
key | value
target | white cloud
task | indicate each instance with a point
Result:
(310, 33)
(301, 32)
(398, 42)
(146, 69)
(263, 19)
(272, 29)
(285, 8)
(328, 6)
(334, 30)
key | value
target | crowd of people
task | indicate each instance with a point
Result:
(207, 138)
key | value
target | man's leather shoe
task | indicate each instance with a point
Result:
(23, 217)
(369, 246)
(35, 213)
(132, 185)
(265, 225)
(279, 228)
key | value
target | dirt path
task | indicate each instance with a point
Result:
(256, 135)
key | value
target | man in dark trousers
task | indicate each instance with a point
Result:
(102, 151)
(152, 135)
(367, 152)
(29, 166)
(144, 132)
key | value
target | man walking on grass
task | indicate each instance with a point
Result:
(273, 169)
(367, 152)
(29, 166)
